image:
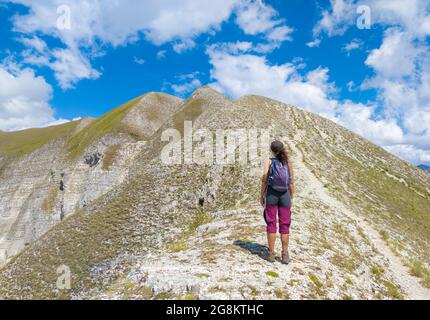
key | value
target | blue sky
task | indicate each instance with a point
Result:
(365, 69)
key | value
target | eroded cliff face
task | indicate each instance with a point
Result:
(42, 188)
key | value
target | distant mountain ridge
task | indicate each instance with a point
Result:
(93, 196)
(424, 167)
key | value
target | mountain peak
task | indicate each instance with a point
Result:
(206, 91)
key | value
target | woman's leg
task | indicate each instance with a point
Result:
(284, 226)
(271, 240)
(285, 239)
(270, 217)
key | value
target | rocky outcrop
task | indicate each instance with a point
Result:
(42, 188)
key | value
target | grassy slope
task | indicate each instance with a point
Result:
(110, 122)
(111, 227)
(392, 193)
(85, 240)
(21, 143)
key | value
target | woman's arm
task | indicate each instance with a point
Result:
(291, 179)
(264, 180)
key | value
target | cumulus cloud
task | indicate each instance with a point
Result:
(410, 152)
(396, 57)
(161, 54)
(69, 65)
(241, 74)
(184, 45)
(95, 24)
(24, 99)
(412, 16)
(314, 43)
(360, 119)
(400, 65)
(139, 61)
(187, 83)
(353, 45)
(257, 18)
(238, 74)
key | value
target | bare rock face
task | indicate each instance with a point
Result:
(129, 226)
(42, 188)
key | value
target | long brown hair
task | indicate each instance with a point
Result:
(279, 151)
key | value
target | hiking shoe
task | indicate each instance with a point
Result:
(285, 258)
(271, 257)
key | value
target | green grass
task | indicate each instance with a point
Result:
(315, 280)
(417, 269)
(21, 143)
(377, 271)
(200, 218)
(189, 296)
(392, 290)
(398, 207)
(272, 274)
(164, 296)
(178, 246)
(190, 112)
(110, 122)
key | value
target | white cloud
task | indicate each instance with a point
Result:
(187, 87)
(187, 83)
(24, 100)
(314, 43)
(411, 153)
(161, 54)
(69, 65)
(353, 45)
(241, 74)
(139, 61)
(359, 118)
(412, 16)
(257, 18)
(238, 75)
(95, 24)
(336, 20)
(183, 45)
(400, 65)
(396, 57)
(119, 22)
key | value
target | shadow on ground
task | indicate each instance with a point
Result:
(253, 248)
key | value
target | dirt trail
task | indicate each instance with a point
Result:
(409, 284)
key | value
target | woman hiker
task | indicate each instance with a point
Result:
(276, 195)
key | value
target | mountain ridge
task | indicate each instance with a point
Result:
(118, 240)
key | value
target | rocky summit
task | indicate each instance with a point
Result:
(91, 209)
